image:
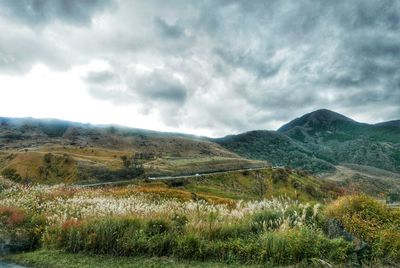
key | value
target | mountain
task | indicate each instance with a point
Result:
(317, 142)
(325, 125)
(321, 139)
(393, 123)
(54, 151)
(278, 149)
(337, 138)
(320, 120)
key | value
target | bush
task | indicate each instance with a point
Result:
(189, 247)
(296, 245)
(280, 175)
(179, 222)
(371, 221)
(155, 227)
(361, 215)
(266, 220)
(21, 229)
(11, 174)
(12, 217)
(233, 231)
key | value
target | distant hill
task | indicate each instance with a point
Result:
(54, 151)
(319, 140)
(320, 120)
(278, 149)
(325, 125)
(30, 133)
(337, 138)
(394, 123)
(315, 142)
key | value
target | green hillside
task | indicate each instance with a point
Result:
(276, 148)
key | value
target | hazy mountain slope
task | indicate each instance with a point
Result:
(54, 151)
(28, 132)
(276, 148)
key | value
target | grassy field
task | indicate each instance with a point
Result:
(60, 259)
(211, 221)
(52, 164)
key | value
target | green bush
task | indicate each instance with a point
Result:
(155, 227)
(295, 245)
(370, 220)
(11, 174)
(225, 232)
(361, 215)
(179, 222)
(266, 220)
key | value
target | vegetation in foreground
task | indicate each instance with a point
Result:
(62, 259)
(146, 221)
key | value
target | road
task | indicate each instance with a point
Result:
(115, 183)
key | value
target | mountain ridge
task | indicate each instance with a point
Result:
(329, 137)
(316, 141)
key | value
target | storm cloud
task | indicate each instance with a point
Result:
(228, 66)
(43, 11)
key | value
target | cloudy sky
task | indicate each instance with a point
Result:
(203, 67)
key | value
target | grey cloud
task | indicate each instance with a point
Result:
(168, 30)
(281, 58)
(231, 65)
(159, 86)
(42, 11)
(261, 67)
(155, 90)
(100, 77)
(20, 49)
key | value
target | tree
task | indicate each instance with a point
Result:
(260, 185)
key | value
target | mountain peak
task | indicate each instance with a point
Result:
(319, 119)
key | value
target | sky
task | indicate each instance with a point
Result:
(203, 67)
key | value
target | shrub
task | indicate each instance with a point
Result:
(280, 175)
(12, 217)
(179, 222)
(225, 232)
(11, 174)
(266, 220)
(295, 245)
(155, 227)
(387, 245)
(361, 215)
(371, 221)
(21, 228)
(189, 247)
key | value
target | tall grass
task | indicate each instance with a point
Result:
(125, 222)
(130, 236)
